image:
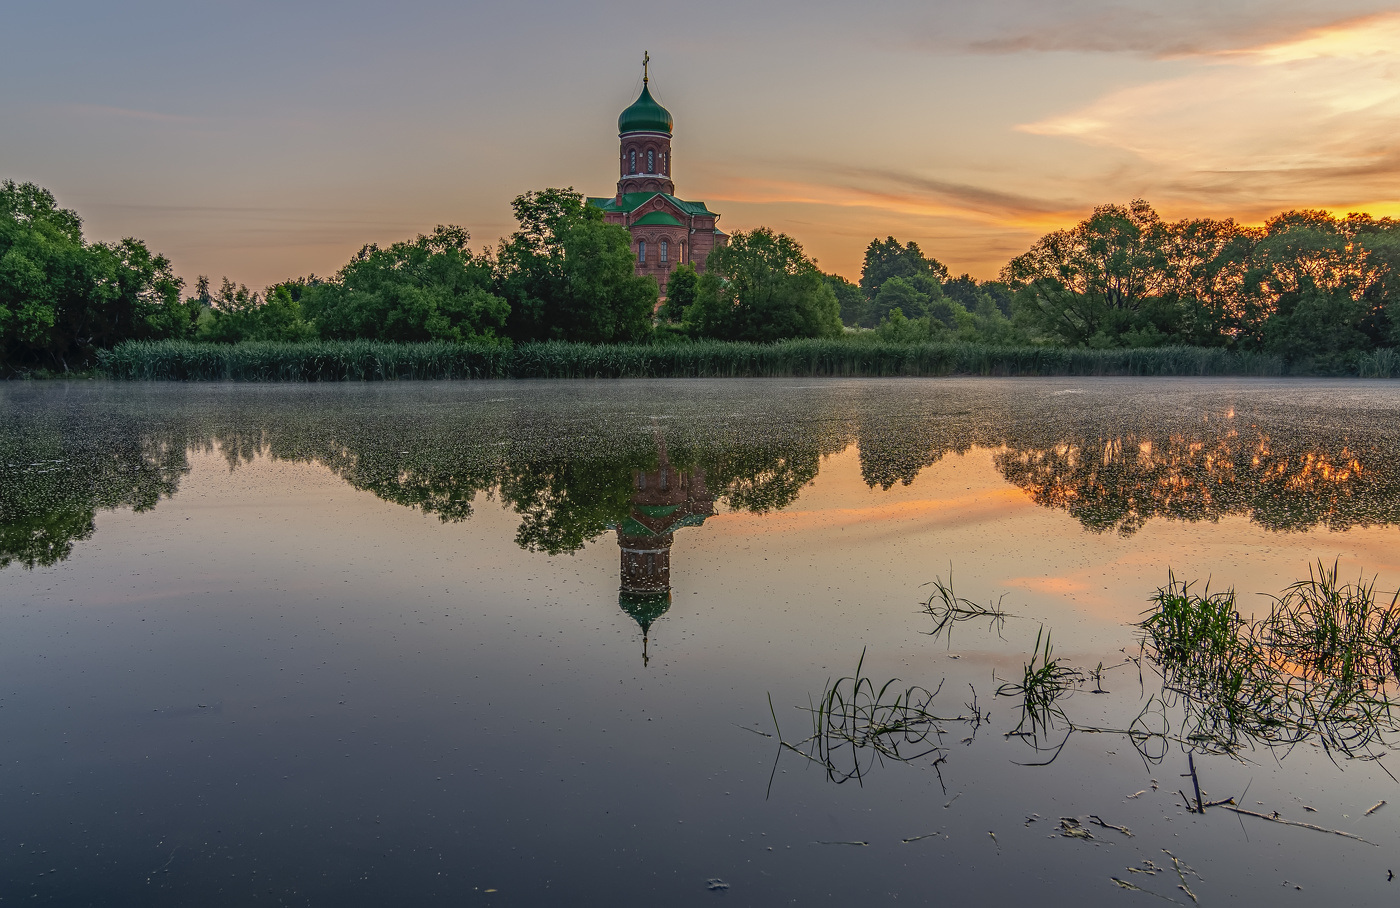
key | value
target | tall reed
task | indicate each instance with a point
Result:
(377, 361)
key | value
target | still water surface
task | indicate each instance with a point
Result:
(516, 643)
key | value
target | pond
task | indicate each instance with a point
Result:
(533, 643)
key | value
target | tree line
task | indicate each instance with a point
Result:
(1308, 286)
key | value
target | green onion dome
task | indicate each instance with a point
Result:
(645, 115)
(644, 607)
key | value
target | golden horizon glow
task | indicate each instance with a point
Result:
(1005, 126)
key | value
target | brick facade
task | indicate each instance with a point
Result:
(666, 231)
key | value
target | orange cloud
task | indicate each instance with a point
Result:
(1313, 120)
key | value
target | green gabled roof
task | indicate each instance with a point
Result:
(630, 526)
(656, 217)
(631, 201)
(692, 208)
(693, 520)
(658, 510)
(645, 115)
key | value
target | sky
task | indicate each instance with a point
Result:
(268, 140)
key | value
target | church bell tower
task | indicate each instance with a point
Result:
(645, 133)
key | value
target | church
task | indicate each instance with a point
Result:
(666, 231)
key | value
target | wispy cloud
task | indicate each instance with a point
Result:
(126, 113)
(1314, 117)
(1148, 27)
(905, 193)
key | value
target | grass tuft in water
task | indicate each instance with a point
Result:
(1322, 664)
(948, 609)
(1325, 630)
(1044, 683)
(856, 724)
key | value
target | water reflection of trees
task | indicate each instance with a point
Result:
(52, 489)
(569, 472)
(1282, 483)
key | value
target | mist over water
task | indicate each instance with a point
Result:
(412, 642)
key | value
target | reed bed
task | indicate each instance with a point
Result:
(383, 361)
(1383, 363)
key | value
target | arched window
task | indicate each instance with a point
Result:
(651, 161)
(642, 251)
(632, 161)
(663, 250)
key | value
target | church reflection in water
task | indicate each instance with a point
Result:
(664, 501)
(572, 479)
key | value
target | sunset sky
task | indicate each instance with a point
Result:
(264, 140)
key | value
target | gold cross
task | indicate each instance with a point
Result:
(646, 58)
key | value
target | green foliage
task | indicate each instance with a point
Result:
(237, 314)
(761, 287)
(1315, 289)
(1307, 260)
(1044, 683)
(915, 297)
(377, 361)
(569, 276)
(849, 297)
(973, 296)
(428, 288)
(1091, 285)
(856, 725)
(896, 329)
(889, 259)
(946, 321)
(61, 298)
(680, 293)
(565, 503)
(55, 482)
(931, 306)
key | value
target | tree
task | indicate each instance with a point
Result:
(975, 296)
(1217, 302)
(680, 293)
(902, 294)
(569, 276)
(896, 329)
(761, 287)
(1316, 278)
(1092, 284)
(887, 259)
(1379, 243)
(849, 297)
(61, 298)
(236, 314)
(428, 288)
